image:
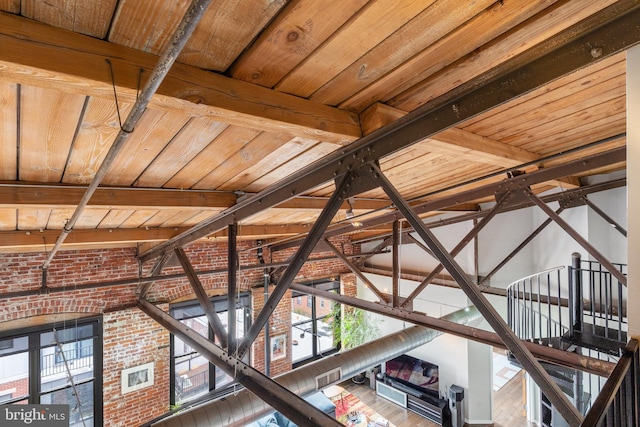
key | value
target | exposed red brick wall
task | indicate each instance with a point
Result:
(279, 324)
(130, 337)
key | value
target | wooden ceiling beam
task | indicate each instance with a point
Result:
(32, 240)
(17, 195)
(44, 56)
(460, 143)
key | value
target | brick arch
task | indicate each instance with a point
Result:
(37, 306)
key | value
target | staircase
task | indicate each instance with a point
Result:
(581, 309)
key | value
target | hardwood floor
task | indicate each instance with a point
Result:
(508, 410)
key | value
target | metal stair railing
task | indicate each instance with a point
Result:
(535, 307)
(598, 301)
(618, 403)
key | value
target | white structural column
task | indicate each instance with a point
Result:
(633, 188)
(479, 399)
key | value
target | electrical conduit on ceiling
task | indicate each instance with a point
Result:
(189, 22)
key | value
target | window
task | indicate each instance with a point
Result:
(192, 375)
(311, 326)
(44, 364)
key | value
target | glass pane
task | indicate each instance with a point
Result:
(187, 312)
(14, 376)
(79, 415)
(66, 334)
(79, 360)
(222, 379)
(302, 341)
(14, 345)
(325, 334)
(192, 377)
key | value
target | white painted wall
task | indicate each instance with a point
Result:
(498, 239)
(459, 362)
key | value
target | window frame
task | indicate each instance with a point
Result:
(34, 348)
(325, 285)
(220, 303)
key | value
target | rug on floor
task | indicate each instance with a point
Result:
(503, 371)
(350, 411)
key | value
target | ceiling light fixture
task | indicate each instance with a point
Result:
(350, 215)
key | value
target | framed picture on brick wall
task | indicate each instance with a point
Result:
(279, 347)
(137, 378)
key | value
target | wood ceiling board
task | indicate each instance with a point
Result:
(8, 130)
(32, 218)
(228, 142)
(304, 202)
(115, 218)
(11, 6)
(225, 30)
(31, 53)
(550, 97)
(295, 32)
(151, 134)
(160, 217)
(549, 22)
(283, 216)
(58, 218)
(96, 134)
(589, 127)
(48, 121)
(146, 26)
(557, 109)
(615, 143)
(266, 230)
(243, 159)
(91, 218)
(178, 219)
(315, 153)
(369, 27)
(439, 19)
(86, 17)
(454, 141)
(138, 218)
(183, 148)
(423, 179)
(8, 219)
(577, 79)
(481, 29)
(199, 216)
(268, 163)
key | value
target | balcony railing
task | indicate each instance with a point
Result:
(53, 364)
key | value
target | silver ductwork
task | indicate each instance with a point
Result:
(244, 407)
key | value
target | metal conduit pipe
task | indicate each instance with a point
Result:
(245, 407)
(189, 21)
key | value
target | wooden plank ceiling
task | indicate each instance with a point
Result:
(262, 89)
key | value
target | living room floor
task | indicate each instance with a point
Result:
(507, 412)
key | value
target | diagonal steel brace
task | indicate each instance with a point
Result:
(511, 341)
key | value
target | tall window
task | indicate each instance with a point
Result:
(311, 324)
(57, 364)
(192, 375)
